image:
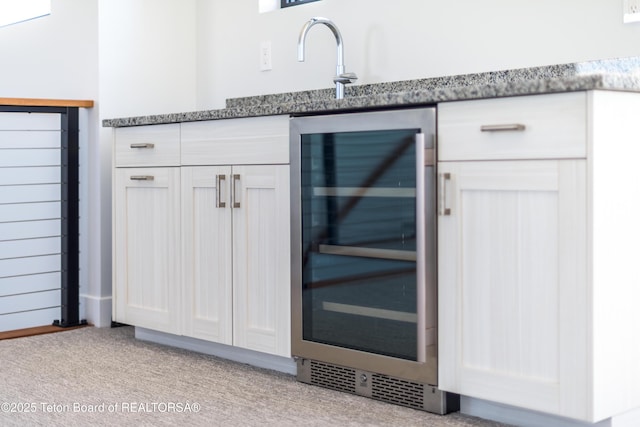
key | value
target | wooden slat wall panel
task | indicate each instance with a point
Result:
(29, 265)
(29, 139)
(29, 248)
(30, 223)
(29, 211)
(29, 122)
(30, 157)
(29, 229)
(28, 319)
(30, 175)
(30, 193)
(32, 283)
(30, 302)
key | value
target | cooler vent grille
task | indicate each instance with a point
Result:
(333, 377)
(398, 391)
(377, 386)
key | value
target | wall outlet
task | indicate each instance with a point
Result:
(631, 9)
(265, 56)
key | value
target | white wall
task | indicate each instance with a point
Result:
(400, 40)
(147, 51)
(54, 56)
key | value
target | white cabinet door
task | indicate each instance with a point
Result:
(206, 250)
(146, 247)
(261, 258)
(513, 304)
(236, 256)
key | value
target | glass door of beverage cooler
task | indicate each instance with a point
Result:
(365, 281)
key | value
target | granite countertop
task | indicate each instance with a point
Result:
(612, 74)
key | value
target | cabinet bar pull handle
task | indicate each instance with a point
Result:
(502, 128)
(235, 202)
(141, 177)
(443, 210)
(219, 202)
(142, 145)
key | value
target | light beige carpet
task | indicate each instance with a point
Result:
(105, 377)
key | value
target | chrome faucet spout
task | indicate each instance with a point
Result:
(341, 78)
(334, 29)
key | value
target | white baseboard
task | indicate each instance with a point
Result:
(236, 354)
(526, 418)
(97, 310)
(628, 419)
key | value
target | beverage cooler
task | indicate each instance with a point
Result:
(364, 279)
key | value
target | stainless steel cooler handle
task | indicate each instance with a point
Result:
(443, 210)
(421, 246)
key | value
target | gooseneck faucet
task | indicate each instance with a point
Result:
(341, 78)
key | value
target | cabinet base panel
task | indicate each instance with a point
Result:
(381, 387)
(254, 358)
(526, 418)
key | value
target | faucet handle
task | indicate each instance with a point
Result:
(345, 78)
